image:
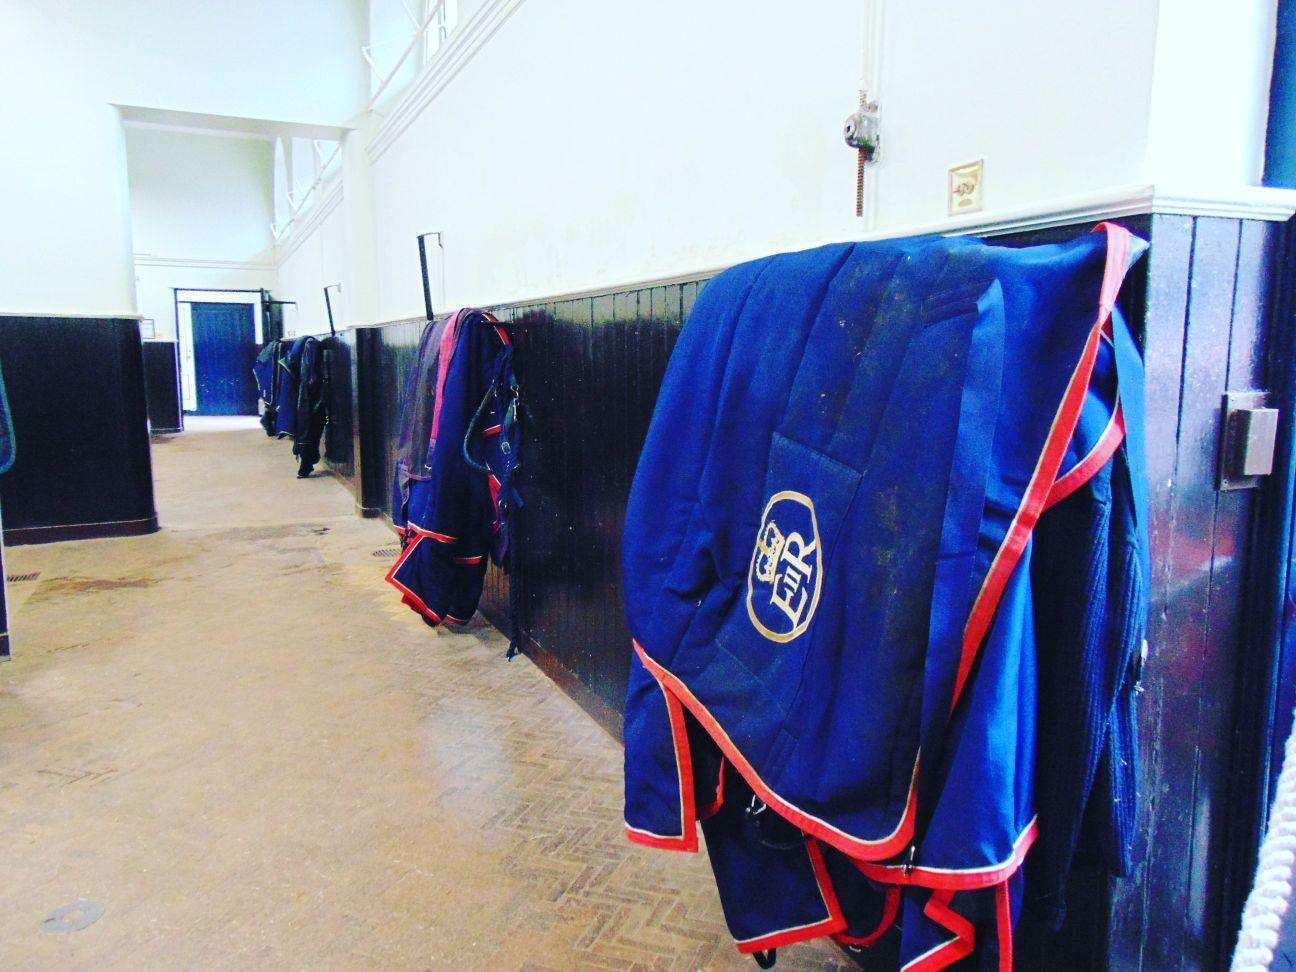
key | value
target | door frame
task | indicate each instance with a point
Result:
(184, 298)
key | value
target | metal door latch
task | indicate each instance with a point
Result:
(1248, 435)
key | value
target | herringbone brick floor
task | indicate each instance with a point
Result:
(230, 737)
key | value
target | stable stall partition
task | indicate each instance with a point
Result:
(76, 388)
(1209, 303)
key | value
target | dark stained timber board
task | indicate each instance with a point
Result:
(1216, 691)
(77, 394)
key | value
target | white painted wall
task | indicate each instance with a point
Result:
(1211, 92)
(581, 144)
(200, 197)
(66, 245)
(198, 200)
(154, 286)
(1054, 96)
(65, 235)
(589, 143)
(317, 259)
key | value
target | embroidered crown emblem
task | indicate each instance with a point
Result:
(785, 576)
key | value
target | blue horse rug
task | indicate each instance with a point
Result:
(885, 566)
(452, 485)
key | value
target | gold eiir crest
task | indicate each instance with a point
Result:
(786, 571)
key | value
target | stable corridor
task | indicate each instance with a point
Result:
(231, 737)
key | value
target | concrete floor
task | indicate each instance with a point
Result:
(233, 739)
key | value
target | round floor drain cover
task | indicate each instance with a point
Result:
(73, 917)
(386, 551)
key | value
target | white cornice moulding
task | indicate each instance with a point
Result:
(330, 197)
(198, 130)
(459, 48)
(77, 315)
(1241, 202)
(149, 260)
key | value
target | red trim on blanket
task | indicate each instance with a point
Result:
(656, 841)
(439, 537)
(831, 925)
(1088, 467)
(470, 560)
(402, 557)
(687, 839)
(445, 352)
(500, 331)
(1004, 926)
(712, 808)
(421, 609)
(855, 847)
(959, 947)
(684, 769)
(409, 598)
(890, 911)
(950, 879)
(493, 430)
(1046, 467)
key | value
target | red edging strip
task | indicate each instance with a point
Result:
(952, 880)
(711, 809)
(831, 925)
(657, 841)
(1046, 467)
(439, 537)
(409, 598)
(874, 850)
(1004, 927)
(890, 910)
(687, 839)
(1088, 467)
(959, 947)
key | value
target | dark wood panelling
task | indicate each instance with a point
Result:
(1245, 562)
(1275, 591)
(590, 368)
(1206, 324)
(76, 391)
(368, 374)
(339, 433)
(162, 386)
(392, 353)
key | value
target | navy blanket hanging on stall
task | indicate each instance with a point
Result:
(268, 372)
(885, 565)
(452, 489)
(292, 380)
